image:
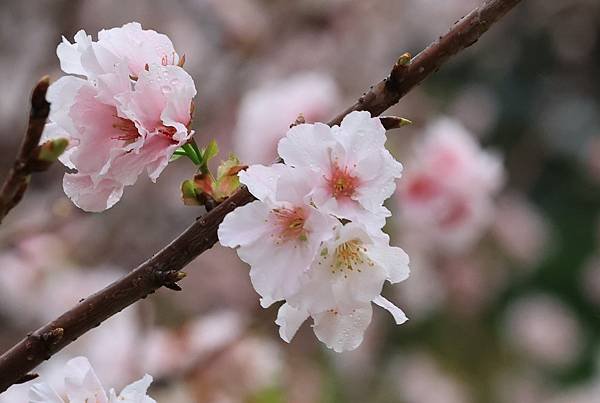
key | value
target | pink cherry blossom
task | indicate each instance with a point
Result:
(447, 193)
(278, 235)
(353, 172)
(128, 116)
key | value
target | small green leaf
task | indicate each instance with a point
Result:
(211, 150)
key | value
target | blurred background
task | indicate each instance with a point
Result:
(504, 296)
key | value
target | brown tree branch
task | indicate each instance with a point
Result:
(16, 182)
(163, 268)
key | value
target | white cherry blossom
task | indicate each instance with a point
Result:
(83, 386)
(278, 235)
(353, 171)
(343, 281)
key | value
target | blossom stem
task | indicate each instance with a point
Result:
(202, 235)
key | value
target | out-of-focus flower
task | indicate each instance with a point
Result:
(418, 378)
(527, 245)
(447, 193)
(167, 352)
(267, 112)
(82, 385)
(590, 279)
(129, 115)
(252, 365)
(353, 171)
(543, 328)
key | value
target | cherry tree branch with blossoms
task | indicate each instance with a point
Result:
(163, 269)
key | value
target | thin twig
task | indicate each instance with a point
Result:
(16, 182)
(202, 235)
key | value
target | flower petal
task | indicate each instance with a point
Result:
(399, 316)
(343, 332)
(244, 225)
(43, 393)
(393, 259)
(289, 320)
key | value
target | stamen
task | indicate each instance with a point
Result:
(127, 127)
(342, 183)
(349, 256)
(289, 224)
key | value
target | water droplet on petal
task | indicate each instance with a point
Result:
(165, 89)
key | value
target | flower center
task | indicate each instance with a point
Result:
(128, 132)
(289, 224)
(349, 256)
(342, 183)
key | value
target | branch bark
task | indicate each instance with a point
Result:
(163, 268)
(16, 182)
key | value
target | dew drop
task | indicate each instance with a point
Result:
(165, 89)
(174, 81)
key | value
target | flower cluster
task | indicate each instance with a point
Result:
(125, 108)
(82, 385)
(447, 194)
(314, 237)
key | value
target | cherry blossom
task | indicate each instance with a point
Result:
(353, 172)
(82, 385)
(130, 114)
(447, 194)
(343, 281)
(313, 238)
(278, 235)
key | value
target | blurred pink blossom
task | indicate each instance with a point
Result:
(520, 229)
(267, 112)
(544, 329)
(418, 378)
(446, 195)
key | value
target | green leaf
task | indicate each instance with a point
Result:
(211, 150)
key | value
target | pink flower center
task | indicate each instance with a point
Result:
(128, 132)
(289, 224)
(342, 183)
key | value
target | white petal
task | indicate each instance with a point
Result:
(295, 185)
(276, 270)
(62, 95)
(307, 145)
(361, 135)
(262, 180)
(343, 332)
(136, 392)
(81, 382)
(289, 320)
(43, 393)
(396, 312)
(69, 54)
(244, 225)
(394, 260)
